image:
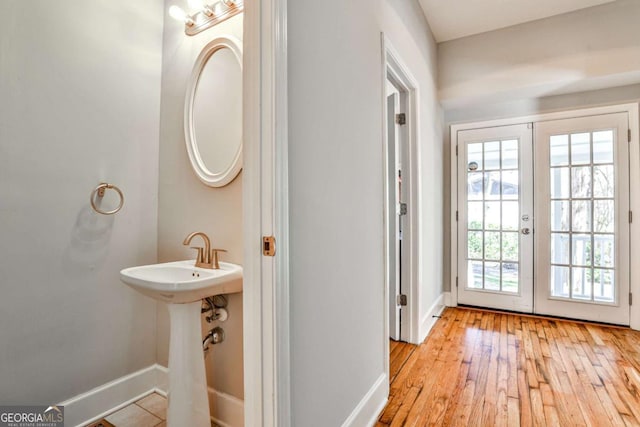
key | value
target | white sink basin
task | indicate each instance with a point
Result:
(181, 282)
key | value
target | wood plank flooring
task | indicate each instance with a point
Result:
(481, 368)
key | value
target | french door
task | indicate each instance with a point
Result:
(582, 218)
(543, 218)
(495, 218)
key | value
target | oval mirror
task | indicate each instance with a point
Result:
(213, 112)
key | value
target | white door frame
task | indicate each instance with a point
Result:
(393, 66)
(634, 176)
(265, 212)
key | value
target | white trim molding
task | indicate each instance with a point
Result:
(393, 67)
(108, 398)
(265, 196)
(369, 408)
(449, 300)
(431, 317)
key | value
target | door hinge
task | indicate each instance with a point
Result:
(630, 217)
(628, 135)
(456, 150)
(401, 300)
(630, 298)
(401, 119)
(456, 281)
(456, 216)
(403, 209)
(268, 246)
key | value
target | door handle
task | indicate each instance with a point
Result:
(526, 231)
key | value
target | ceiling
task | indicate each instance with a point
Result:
(452, 19)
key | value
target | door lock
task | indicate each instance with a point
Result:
(526, 231)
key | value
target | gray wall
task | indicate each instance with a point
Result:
(79, 104)
(336, 195)
(406, 28)
(186, 205)
(589, 49)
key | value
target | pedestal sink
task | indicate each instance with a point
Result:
(182, 285)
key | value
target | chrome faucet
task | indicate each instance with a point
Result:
(207, 257)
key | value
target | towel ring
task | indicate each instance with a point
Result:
(99, 191)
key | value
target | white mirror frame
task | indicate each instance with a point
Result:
(207, 177)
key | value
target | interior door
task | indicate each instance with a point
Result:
(495, 218)
(582, 218)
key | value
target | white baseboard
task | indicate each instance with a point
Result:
(429, 320)
(449, 300)
(88, 407)
(226, 410)
(369, 408)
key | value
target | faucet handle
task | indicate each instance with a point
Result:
(200, 257)
(214, 257)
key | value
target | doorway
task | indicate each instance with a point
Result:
(401, 211)
(543, 217)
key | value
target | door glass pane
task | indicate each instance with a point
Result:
(580, 149)
(510, 185)
(492, 276)
(492, 245)
(509, 277)
(492, 155)
(560, 248)
(604, 250)
(581, 182)
(475, 215)
(581, 249)
(510, 154)
(474, 244)
(559, 183)
(510, 215)
(560, 215)
(560, 281)
(492, 185)
(603, 181)
(603, 147)
(493, 216)
(475, 185)
(603, 285)
(475, 155)
(559, 150)
(583, 214)
(474, 272)
(581, 283)
(510, 246)
(603, 216)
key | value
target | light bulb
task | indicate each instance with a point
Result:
(177, 13)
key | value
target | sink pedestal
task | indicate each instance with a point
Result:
(188, 397)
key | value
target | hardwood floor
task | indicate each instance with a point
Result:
(484, 368)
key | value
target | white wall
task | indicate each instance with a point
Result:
(186, 205)
(79, 104)
(406, 28)
(590, 49)
(336, 195)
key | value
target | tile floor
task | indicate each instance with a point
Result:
(150, 411)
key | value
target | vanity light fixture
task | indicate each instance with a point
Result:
(206, 15)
